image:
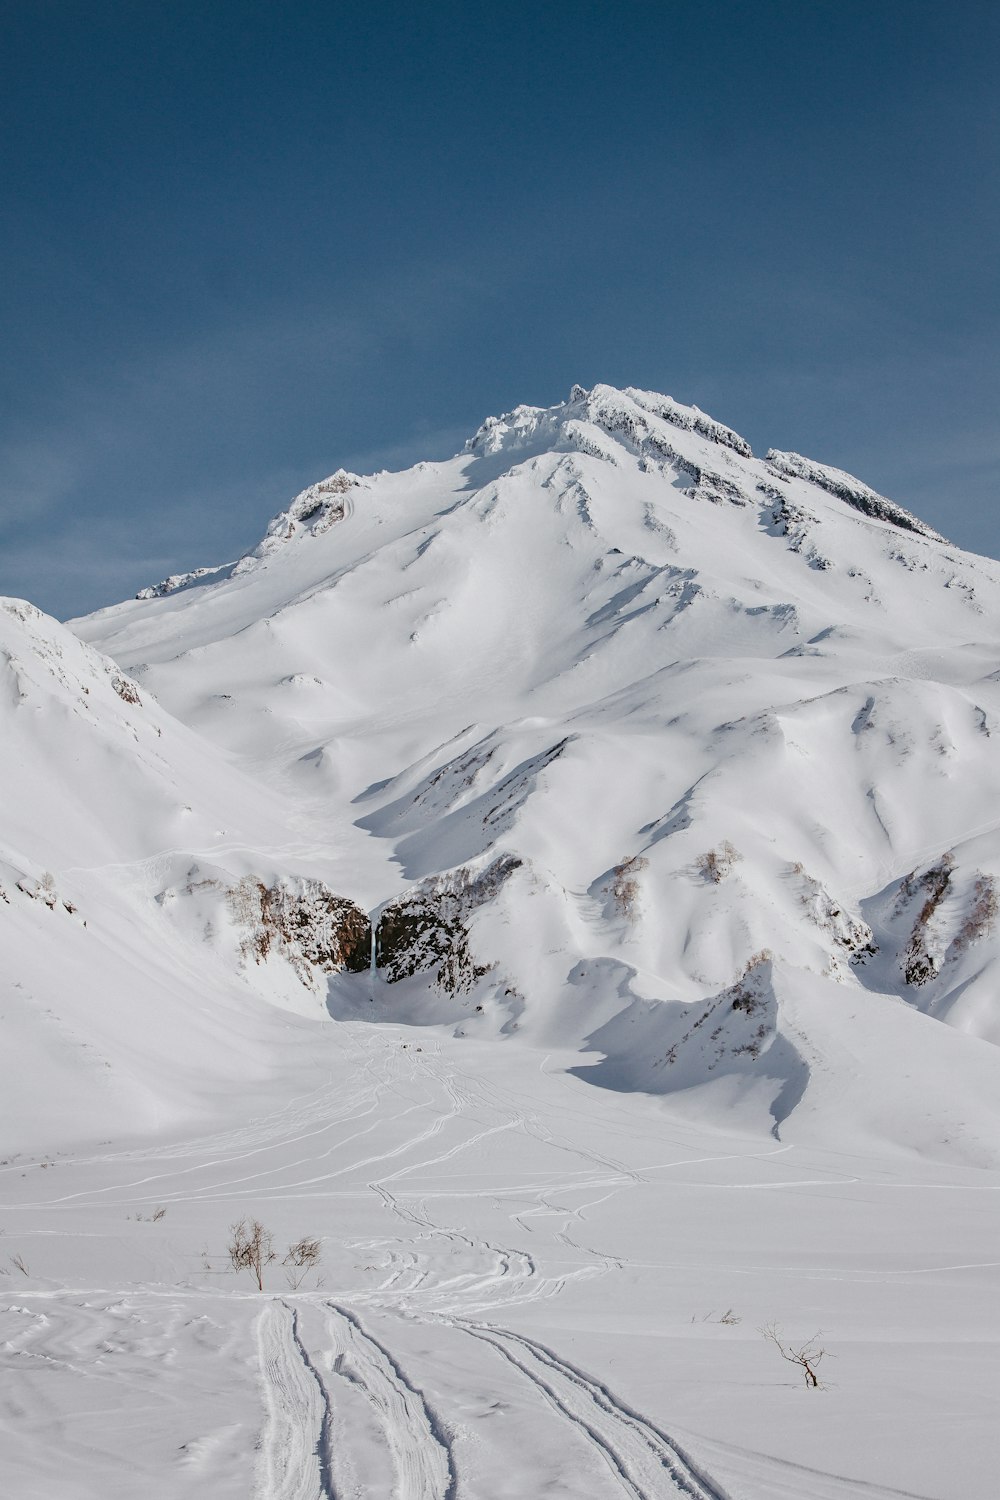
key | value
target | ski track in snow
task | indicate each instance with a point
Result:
(420, 1449)
(642, 1459)
(305, 1451)
(293, 1460)
(296, 1463)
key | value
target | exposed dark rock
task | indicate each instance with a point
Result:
(919, 963)
(174, 582)
(305, 922)
(426, 931)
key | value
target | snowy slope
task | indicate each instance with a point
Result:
(125, 840)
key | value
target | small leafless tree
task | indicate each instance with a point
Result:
(18, 1261)
(251, 1248)
(301, 1257)
(807, 1356)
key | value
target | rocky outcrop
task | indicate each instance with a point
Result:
(41, 888)
(312, 928)
(951, 910)
(426, 931)
(174, 582)
(853, 938)
(314, 510)
(923, 957)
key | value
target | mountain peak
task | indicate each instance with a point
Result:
(634, 416)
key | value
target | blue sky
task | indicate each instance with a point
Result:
(246, 243)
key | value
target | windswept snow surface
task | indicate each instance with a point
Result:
(666, 776)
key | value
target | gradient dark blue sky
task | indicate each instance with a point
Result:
(246, 243)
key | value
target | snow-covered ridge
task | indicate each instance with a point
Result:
(176, 581)
(619, 427)
(846, 487)
(313, 510)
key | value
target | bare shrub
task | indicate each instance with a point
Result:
(625, 884)
(126, 690)
(729, 1317)
(979, 922)
(716, 864)
(807, 1356)
(302, 1257)
(762, 956)
(18, 1262)
(251, 1249)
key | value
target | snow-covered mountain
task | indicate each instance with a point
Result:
(559, 886)
(616, 720)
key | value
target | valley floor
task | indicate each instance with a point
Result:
(530, 1287)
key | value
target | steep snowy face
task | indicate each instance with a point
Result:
(709, 716)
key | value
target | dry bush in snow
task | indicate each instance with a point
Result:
(716, 864)
(302, 1257)
(250, 1249)
(625, 884)
(979, 922)
(807, 1356)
